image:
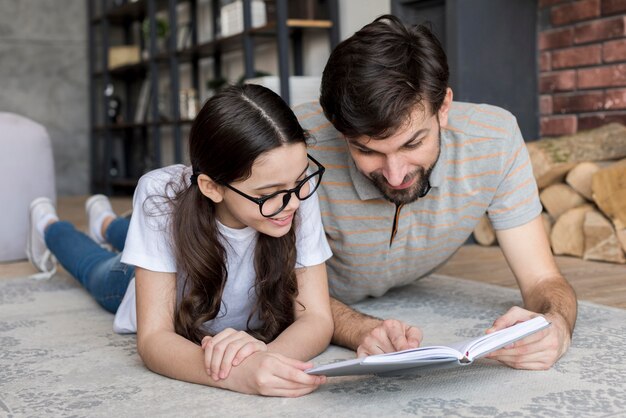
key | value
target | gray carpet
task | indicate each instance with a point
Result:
(59, 357)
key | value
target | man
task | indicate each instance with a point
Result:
(409, 175)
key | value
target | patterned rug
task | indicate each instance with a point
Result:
(60, 357)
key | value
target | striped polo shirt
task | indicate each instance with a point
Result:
(483, 167)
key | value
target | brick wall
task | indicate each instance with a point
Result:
(582, 64)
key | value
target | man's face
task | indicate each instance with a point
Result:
(400, 165)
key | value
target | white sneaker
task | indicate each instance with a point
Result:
(98, 208)
(41, 211)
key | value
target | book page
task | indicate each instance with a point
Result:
(415, 355)
(488, 343)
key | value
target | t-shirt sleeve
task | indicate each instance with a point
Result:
(311, 243)
(516, 201)
(148, 243)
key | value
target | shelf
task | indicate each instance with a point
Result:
(136, 10)
(261, 33)
(141, 145)
(123, 126)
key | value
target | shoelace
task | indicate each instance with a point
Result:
(45, 274)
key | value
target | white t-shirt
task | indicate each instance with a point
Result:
(148, 245)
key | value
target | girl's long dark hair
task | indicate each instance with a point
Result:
(231, 131)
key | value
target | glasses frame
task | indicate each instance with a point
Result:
(296, 190)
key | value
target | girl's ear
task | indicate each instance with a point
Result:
(210, 189)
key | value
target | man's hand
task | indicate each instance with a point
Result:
(391, 335)
(538, 351)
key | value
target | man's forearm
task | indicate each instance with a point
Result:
(555, 296)
(350, 326)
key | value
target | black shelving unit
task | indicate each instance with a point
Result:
(141, 142)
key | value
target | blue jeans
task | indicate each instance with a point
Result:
(98, 270)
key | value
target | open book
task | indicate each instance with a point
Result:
(417, 359)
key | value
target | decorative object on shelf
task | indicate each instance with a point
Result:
(162, 32)
(122, 55)
(231, 17)
(189, 105)
(114, 105)
(142, 102)
(183, 38)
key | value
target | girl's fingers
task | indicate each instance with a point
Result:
(248, 349)
(297, 376)
(234, 351)
(206, 340)
(220, 349)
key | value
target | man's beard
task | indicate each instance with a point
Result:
(415, 191)
(408, 195)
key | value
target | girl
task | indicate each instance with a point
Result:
(228, 254)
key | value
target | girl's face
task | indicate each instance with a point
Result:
(279, 169)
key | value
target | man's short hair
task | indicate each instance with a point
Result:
(374, 79)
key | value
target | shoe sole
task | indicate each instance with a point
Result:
(31, 227)
(88, 205)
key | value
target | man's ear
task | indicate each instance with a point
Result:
(210, 189)
(445, 107)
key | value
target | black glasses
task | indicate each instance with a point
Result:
(274, 203)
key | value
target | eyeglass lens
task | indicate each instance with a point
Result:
(276, 203)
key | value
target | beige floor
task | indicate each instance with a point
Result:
(602, 283)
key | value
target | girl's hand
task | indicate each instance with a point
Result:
(272, 374)
(228, 349)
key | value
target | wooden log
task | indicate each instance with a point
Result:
(567, 232)
(620, 230)
(601, 241)
(553, 158)
(484, 233)
(579, 177)
(559, 198)
(609, 190)
(547, 223)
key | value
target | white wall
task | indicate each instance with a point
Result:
(354, 14)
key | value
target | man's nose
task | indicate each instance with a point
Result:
(394, 170)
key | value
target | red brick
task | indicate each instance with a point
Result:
(578, 102)
(606, 76)
(575, 12)
(545, 105)
(557, 81)
(611, 7)
(558, 38)
(548, 3)
(545, 61)
(577, 57)
(558, 125)
(600, 30)
(614, 51)
(598, 119)
(615, 99)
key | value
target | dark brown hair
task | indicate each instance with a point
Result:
(374, 79)
(231, 131)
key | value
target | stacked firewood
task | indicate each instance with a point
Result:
(582, 186)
